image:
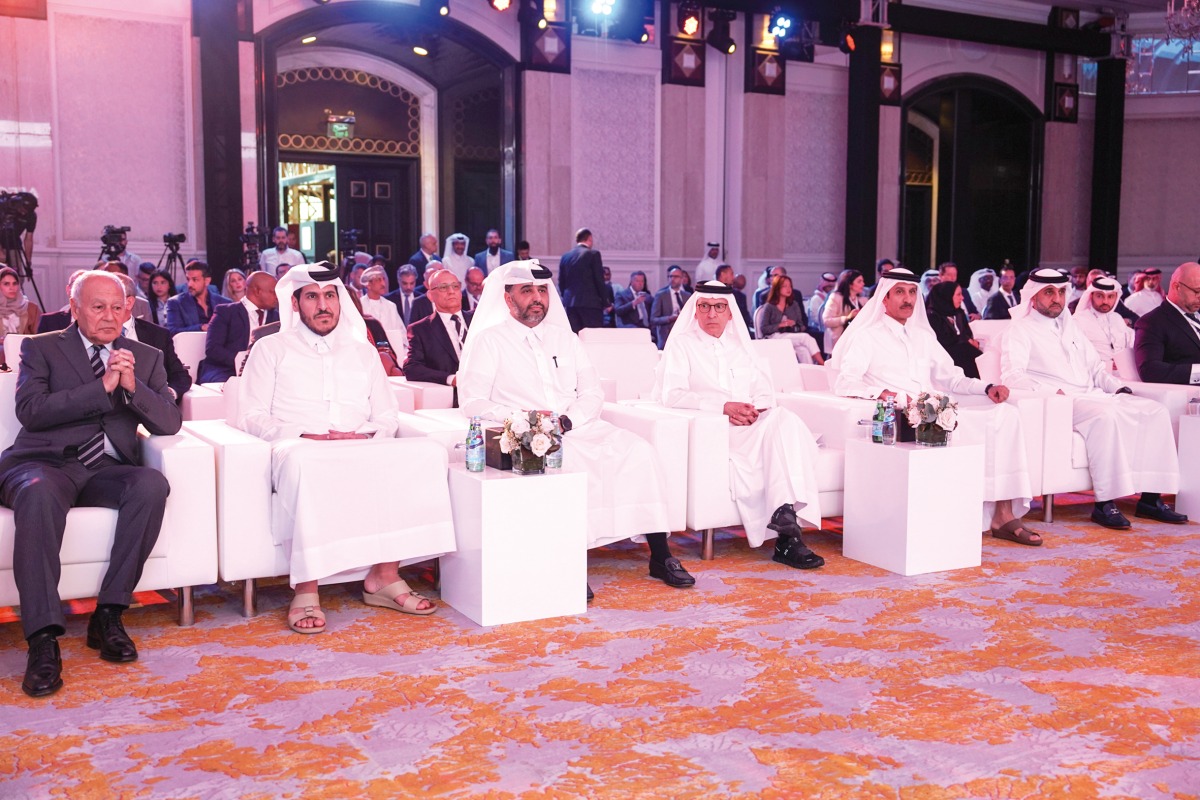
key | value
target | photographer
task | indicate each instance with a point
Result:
(115, 241)
(270, 259)
(18, 219)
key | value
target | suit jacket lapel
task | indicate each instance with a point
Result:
(73, 349)
(1191, 333)
(442, 336)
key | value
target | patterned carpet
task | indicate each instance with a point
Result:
(1072, 670)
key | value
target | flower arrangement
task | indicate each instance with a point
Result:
(535, 431)
(933, 415)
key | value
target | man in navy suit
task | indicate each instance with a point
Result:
(81, 395)
(581, 283)
(494, 255)
(632, 304)
(435, 342)
(406, 295)
(1166, 340)
(192, 310)
(229, 331)
(420, 259)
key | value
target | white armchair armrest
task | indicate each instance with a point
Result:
(189, 524)
(429, 395)
(666, 433)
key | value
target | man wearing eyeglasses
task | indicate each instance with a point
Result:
(708, 365)
(435, 342)
(1167, 340)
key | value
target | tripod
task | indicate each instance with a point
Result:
(174, 261)
(19, 262)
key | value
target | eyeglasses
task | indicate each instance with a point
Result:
(447, 287)
(712, 308)
(1191, 289)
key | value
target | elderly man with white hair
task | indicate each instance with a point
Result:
(314, 391)
(1130, 444)
(1097, 317)
(454, 256)
(708, 364)
(521, 355)
(891, 351)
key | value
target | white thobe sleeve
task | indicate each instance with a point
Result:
(589, 397)
(949, 376)
(1017, 347)
(684, 387)
(477, 377)
(384, 421)
(853, 366)
(256, 395)
(1102, 376)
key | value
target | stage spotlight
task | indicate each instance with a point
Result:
(501, 5)
(689, 17)
(846, 43)
(781, 25)
(421, 51)
(719, 36)
(602, 8)
(308, 40)
(444, 8)
(542, 24)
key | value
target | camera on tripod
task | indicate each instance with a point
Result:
(113, 241)
(173, 240)
(252, 244)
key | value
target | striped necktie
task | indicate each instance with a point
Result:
(93, 450)
(458, 328)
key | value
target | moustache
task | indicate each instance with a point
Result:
(906, 305)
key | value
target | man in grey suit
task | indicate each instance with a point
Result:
(581, 283)
(668, 302)
(81, 395)
(632, 304)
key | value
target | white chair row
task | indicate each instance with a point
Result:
(185, 554)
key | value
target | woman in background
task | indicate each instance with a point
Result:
(949, 321)
(842, 306)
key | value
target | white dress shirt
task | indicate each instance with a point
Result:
(269, 260)
(383, 310)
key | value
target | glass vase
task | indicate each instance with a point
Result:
(930, 434)
(524, 462)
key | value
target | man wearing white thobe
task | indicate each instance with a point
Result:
(1130, 444)
(890, 351)
(1097, 318)
(522, 355)
(708, 365)
(1150, 296)
(706, 270)
(455, 258)
(375, 304)
(313, 391)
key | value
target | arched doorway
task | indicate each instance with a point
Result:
(383, 118)
(972, 150)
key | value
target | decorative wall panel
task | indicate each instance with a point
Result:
(1158, 182)
(815, 170)
(122, 135)
(1066, 195)
(613, 141)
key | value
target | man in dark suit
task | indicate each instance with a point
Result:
(406, 295)
(1166, 340)
(81, 395)
(192, 310)
(420, 259)
(581, 283)
(229, 331)
(632, 304)
(473, 289)
(58, 320)
(494, 255)
(725, 276)
(668, 302)
(1005, 297)
(610, 300)
(435, 342)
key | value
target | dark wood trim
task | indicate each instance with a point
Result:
(862, 154)
(991, 30)
(1107, 156)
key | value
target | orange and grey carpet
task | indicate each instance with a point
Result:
(1071, 670)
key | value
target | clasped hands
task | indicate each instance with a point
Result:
(740, 413)
(334, 436)
(119, 372)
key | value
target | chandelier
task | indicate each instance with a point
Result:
(1184, 23)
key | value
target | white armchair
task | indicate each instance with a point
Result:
(780, 357)
(246, 502)
(189, 346)
(628, 364)
(185, 554)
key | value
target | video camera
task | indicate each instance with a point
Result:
(252, 243)
(173, 240)
(111, 241)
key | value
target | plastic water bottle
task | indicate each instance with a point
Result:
(475, 449)
(554, 460)
(888, 432)
(1193, 406)
(877, 423)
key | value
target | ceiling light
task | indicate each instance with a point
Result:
(308, 40)
(421, 51)
(689, 17)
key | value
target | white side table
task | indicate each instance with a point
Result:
(913, 509)
(522, 545)
(1188, 499)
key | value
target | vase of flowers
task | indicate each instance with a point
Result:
(528, 436)
(933, 416)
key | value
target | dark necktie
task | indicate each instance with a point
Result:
(261, 316)
(407, 309)
(1012, 300)
(458, 329)
(679, 300)
(93, 450)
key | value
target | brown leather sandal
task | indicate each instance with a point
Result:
(1015, 531)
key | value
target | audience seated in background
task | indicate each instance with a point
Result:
(281, 257)
(1006, 295)
(229, 331)
(725, 275)
(891, 351)
(1167, 339)
(764, 284)
(493, 255)
(158, 337)
(233, 285)
(521, 354)
(949, 323)
(141, 308)
(18, 314)
(374, 303)
(1149, 296)
(192, 310)
(881, 266)
(708, 365)
(81, 395)
(632, 304)
(404, 297)
(473, 288)
(1130, 443)
(307, 390)
(435, 343)
(161, 290)
(1096, 315)
(948, 273)
(782, 317)
(816, 304)
(842, 306)
(668, 302)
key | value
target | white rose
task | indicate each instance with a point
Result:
(505, 444)
(547, 425)
(540, 444)
(946, 420)
(519, 426)
(913, 413)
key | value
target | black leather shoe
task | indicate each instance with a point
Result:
(1160, 511)
(107, 634)
(784, 521)
(1109, 516)
(790, 550)
(43, 670)
(591, 596)
(672, 573)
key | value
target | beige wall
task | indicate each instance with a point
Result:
(683, 185)
(546, 162)
(1066, 194)
(1158, 190)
